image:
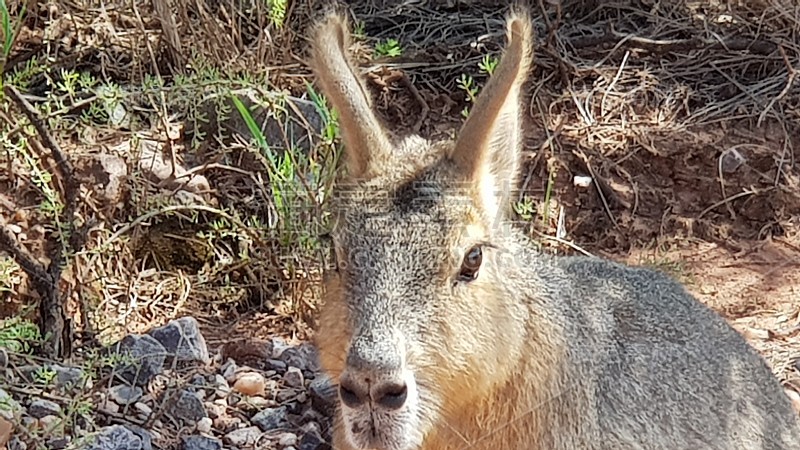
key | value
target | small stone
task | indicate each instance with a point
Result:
(200, 443)
(57, 443)
(182, 339)
(3, 358)
(287, 440)
(228, 370)
(276, 365)
(125, 395)
(16, 444)
(250, 383)
(293, 377)
(187, 407)
(115, 437)
(40, 408)
(49, 423)
(143, 358)
(243, 437)
(222, 388)
(731, 160)
(311, 441)
(69, 377)
(271, 419)
(107, 405)
(284, 395)
(144, 435)
(143, 409)
(204, 425)
(323, 394)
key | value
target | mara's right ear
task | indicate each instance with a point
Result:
(363, 136)
(487, 149)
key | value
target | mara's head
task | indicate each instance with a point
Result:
(416, 318)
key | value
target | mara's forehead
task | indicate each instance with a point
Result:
(422, 203)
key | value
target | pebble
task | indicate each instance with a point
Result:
(204, 425)
(287, 440)
(125, 395)
(293, 377)
(243, 436)
(40, 408)
(250, 384)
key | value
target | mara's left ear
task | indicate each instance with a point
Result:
(486, 152)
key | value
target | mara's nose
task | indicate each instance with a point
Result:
(357, 389)
(373, 374)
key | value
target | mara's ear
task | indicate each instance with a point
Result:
(486, 152)
(363, 136)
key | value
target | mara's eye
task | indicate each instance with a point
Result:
(471, 264)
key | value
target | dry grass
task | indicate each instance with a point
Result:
(611, 79)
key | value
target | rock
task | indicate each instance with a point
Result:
(125, 395)
(250, 384)
(294, 377)
(144, 358)
(204, 425)
(50, 424)
(221, 387)
(303, 356)
(143, 409)
(187, 406)
(69, 377)
(40, 408)
(183, 340)
(228, 370)
(59, 443)
(284, 395)
(16, 444)
(200, 443)
(323, 394)
(243, 436)
(271, 419)
(3, 358)
(115, 437)
(287, 440)
(276, 364)
(144, 435)
(107, 405)
(312, 441)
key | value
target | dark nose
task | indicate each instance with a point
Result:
(389, 394)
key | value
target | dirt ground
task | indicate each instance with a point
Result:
(690, 148)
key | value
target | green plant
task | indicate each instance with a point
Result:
(525, 208)
(277, 11)
(9, 35)
(488, 64)
(19, 335)
(390, 47)
(44, 376)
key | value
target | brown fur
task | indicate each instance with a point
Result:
(535, 353)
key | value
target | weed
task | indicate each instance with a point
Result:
(19, 335)
(389, 48)
(10, 274)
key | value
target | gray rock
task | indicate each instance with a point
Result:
(276, 365)
(200, 443)
(221, 386)
(303, 356)
(311, 440)
(287, 440)
(187, 406)
(40, 408)
(125, 395)
(243, 436)
(16, 444)
(323, 394)
(3, 358)
(68, 377)
(271, 419)
(144, 435)
(183, 340)
(115, 437)
(294, 377)
(143, 358)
